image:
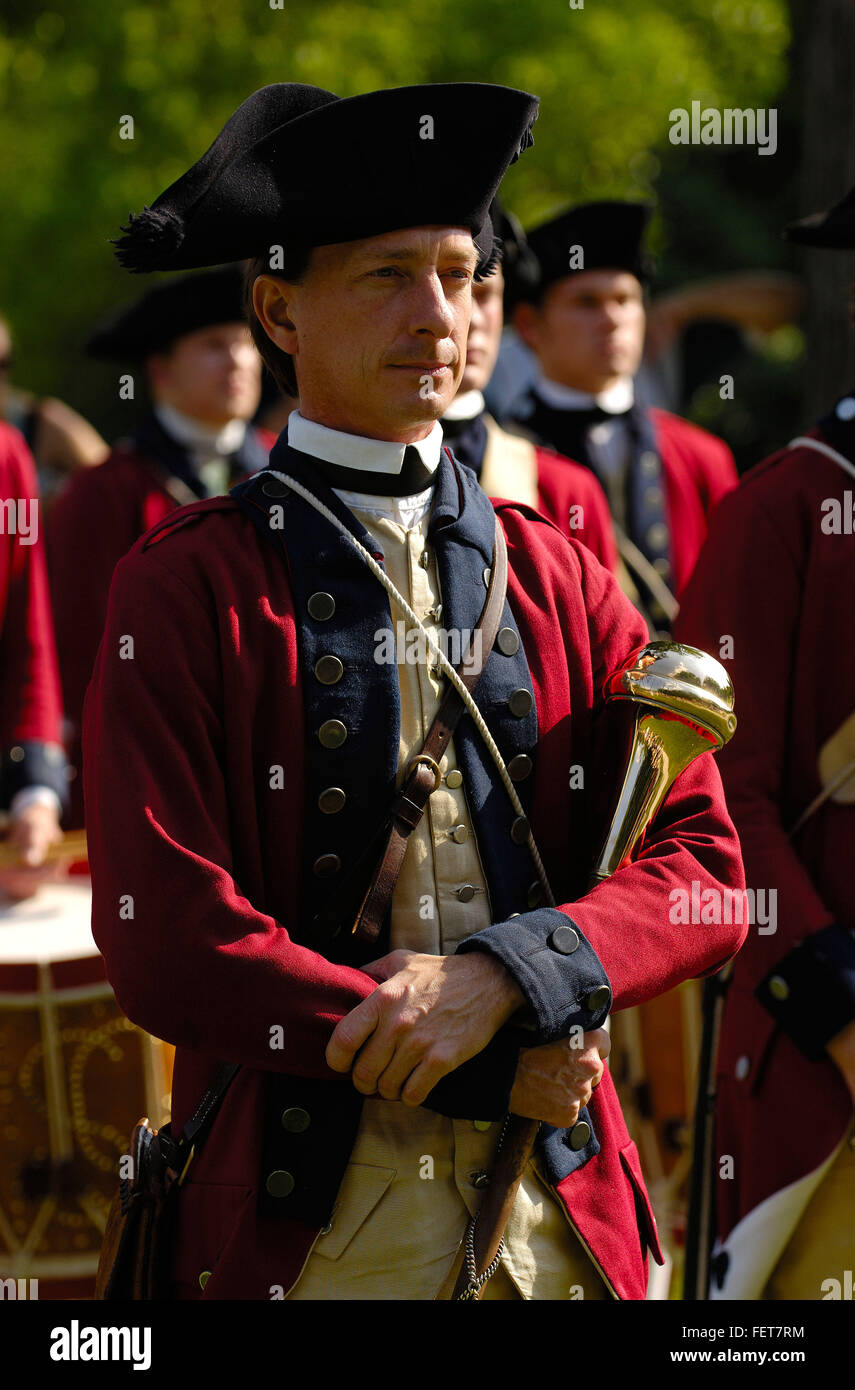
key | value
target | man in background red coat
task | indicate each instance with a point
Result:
(581, 312)
(189, 342)
(772, 594)
(33, 780)
(507, 465)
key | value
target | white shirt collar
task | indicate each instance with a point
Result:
(198, 437)
(614, 401)
(355, 451)
(466, 406)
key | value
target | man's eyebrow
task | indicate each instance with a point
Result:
(408, 253)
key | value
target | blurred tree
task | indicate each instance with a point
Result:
(607, 75)
(824, 51)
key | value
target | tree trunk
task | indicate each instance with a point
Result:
(824, 50)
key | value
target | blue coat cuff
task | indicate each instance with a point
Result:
(481, 1088)
(33, 763)
(557, 969)
(811, 992)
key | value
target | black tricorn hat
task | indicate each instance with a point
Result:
(298, 167)
(834, 228)
(168, 311)
(610, 234)
(518, 261)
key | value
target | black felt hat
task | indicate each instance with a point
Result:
(518, 261)
(834, 228)
(610, 234)
(167, 312)
(298, 167)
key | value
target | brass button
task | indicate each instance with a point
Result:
(487, 575)
(329, 670)
(653, 496)
(326, 866)
(649, 463)
(742, 1068)
(565, 941)
(274, 487)
(466, 892)
(657, 535)
(520, 830)
(520, 767)
(482, 1125)
(204, 1277)
(520, 702)
(321, 607)
(331, 800)
(598, 999)
(534, 895)
(480, 1179)
(332, 733)
(17, 754)
(580, 1135)
(295, 1119)
(460, 834)
(280, 1183)
(424, 559)
(508, 642)
(778, 988)
(454, 778)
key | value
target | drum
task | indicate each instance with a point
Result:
(75, 1076)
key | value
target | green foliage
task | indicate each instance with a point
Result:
(607, 74)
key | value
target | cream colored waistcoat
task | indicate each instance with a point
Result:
(409, 1187)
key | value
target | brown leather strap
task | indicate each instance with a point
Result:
(423, 776)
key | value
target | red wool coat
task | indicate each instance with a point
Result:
(30, 706)
(179, 741)
(94, 521)
(563, 485)
(699, 470)
(782, 589)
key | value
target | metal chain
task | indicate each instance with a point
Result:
(476, 1280)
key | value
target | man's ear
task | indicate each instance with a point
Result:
(271, 300)
(525, 320)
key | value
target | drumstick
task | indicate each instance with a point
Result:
(71, 846)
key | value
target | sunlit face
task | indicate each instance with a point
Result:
(485, 331)
(377, 329)
(588, 331)
(212, 375)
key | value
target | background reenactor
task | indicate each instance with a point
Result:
(190, 341)
(582, 314)
(775, 583)
(508, 465)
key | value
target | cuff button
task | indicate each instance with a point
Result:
(598, 999)
(580, 1134)
(564, 940)
(778, 988)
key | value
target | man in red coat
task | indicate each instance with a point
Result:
(33, 781)
(246, 730)
(772, 593)
(582, 314)
(507, 465)
(189, 341)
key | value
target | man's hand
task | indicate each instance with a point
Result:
(429, 1015)
(34, 829)
(841, 1050)
(556, 1080)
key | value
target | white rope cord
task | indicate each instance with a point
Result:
(439, 656)
(805, 442)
